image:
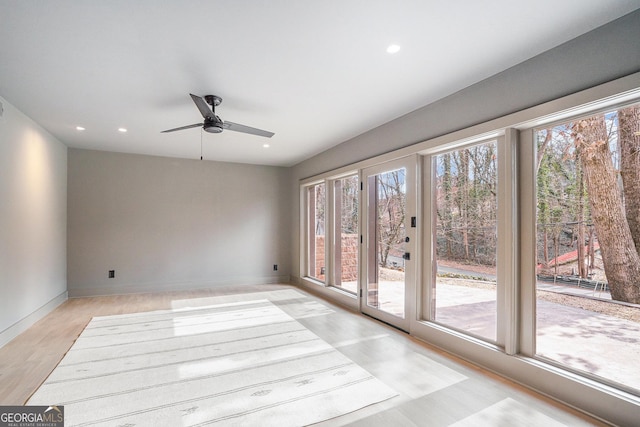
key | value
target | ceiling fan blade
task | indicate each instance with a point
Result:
(195, 125)
(247, 129)
(202, 105)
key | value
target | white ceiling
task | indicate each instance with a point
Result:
(314, 72)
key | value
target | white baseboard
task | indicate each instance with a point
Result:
(142, 288)
(26, 322)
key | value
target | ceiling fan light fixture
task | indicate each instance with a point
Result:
(213, 128)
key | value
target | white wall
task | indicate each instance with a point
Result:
(33, 218)
(165, 223)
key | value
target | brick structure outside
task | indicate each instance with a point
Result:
(349, 257)
(320, 264)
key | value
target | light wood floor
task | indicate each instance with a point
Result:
(435, 388)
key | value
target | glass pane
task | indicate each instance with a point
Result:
(316, 233)
(588, 244)
(346, 214)
(466, 200)
(387, 195)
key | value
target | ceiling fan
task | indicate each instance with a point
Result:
(213, 123)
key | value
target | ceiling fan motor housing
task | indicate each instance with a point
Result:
(213, 126)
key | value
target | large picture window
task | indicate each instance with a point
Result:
(464, 292)
(588, 244)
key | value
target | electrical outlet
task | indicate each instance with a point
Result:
(112, 274)
(275, 267)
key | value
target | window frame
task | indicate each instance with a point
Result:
(309, 220)
(336, 232)
(331, 227)
(506, 251)
(528, 241)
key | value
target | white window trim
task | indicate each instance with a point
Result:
(328, 286)
(506, 304)
(528, 241)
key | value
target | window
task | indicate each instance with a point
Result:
(316, 208)
(332, 238)
(588, 244)
(464, 290)
(347, 235)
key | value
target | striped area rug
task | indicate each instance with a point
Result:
(243, 364)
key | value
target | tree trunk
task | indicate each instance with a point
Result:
(592, 251)
(545, 250)
(556, 249)
(620, 258)
(447, 222)
(582, 268)
(542, 147)
(464, 184)
(629, 139)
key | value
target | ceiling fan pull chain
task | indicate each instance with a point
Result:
(200, 144)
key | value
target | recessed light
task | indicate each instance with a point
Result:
(123, 130)
(79, 128)
(393, 48)
(266, 145)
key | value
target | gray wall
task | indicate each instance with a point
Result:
(164, 223)
(33, 216)
(604, 54)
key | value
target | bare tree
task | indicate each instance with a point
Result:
(580, 235)
(467, 205)
(320, 203)
(629, 140)
(391, 213)
(350, 188)
(620, 257)
(445, 214)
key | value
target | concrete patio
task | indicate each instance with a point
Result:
(580, 339)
